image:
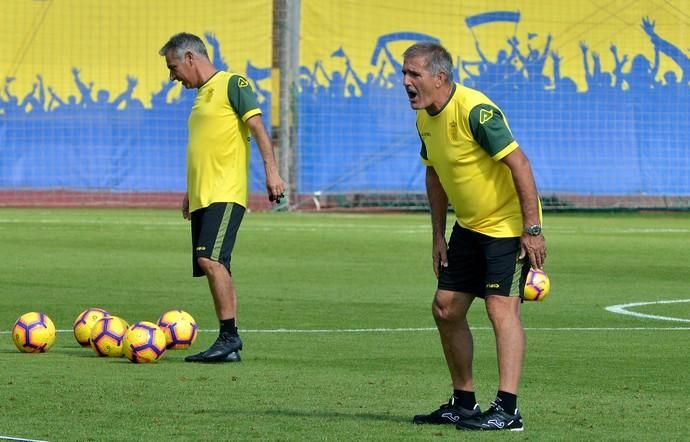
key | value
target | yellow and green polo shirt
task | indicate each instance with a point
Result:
(464, 143)
(218, 148)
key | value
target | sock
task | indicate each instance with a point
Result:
(228, 326)
(507, 401)
(465, 399)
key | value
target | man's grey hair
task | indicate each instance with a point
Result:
(437, 58)
(183, 42)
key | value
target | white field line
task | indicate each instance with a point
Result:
(286, 225)
(619, 309)
(622, 309)
(305, 224)
(20, 439)
(418, 329)
(433, 329)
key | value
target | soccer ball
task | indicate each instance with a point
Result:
(123, 321)
(33, 332)
(84, 322)
(144, 342)
(537, 286)
(179, 327)
(107, 335)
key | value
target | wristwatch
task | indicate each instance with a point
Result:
(534, 230)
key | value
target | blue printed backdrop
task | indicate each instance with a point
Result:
(619, 128)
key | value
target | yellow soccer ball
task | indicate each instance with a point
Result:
(85, 320)
(144, 342)
(107, 336)
(537, 286)
(179, 327)
(33, 332)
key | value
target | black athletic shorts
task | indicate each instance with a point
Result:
(214, 230)
(482, 265)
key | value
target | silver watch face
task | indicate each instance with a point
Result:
(534, 230)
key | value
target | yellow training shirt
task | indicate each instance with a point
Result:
(464, 143)
(218, 149)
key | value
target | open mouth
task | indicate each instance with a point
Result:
(411, 94)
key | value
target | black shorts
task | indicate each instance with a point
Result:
(214, 230)
(482, 265)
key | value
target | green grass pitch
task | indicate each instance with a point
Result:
(339, 338)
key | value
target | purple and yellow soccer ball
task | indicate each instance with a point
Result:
(84, 322)
(33, 332)
(179, 327)
(537, 286)
(107, 336)
(144, 342)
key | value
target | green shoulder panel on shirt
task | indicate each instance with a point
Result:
(241, 97)
(489, 128)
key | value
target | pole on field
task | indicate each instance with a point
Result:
(285, 64)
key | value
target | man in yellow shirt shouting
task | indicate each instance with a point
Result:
(473, 162)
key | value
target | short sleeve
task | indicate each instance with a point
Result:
(242, 98)
(490, 130)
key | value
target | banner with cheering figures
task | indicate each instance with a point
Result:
(590, 106)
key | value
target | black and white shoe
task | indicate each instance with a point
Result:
(225, 349)
(449, 413)
(495, 418)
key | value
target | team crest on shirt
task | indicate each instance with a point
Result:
(242, 82)
(485, 115)
(209, 95)
(453, 131)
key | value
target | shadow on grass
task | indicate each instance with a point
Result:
(63, 351)
(368, 416)
(318, 414)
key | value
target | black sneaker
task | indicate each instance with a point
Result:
(199, 357)
(449, 413)
(495, 418)
(220, 351)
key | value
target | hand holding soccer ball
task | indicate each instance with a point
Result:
(537, 286)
